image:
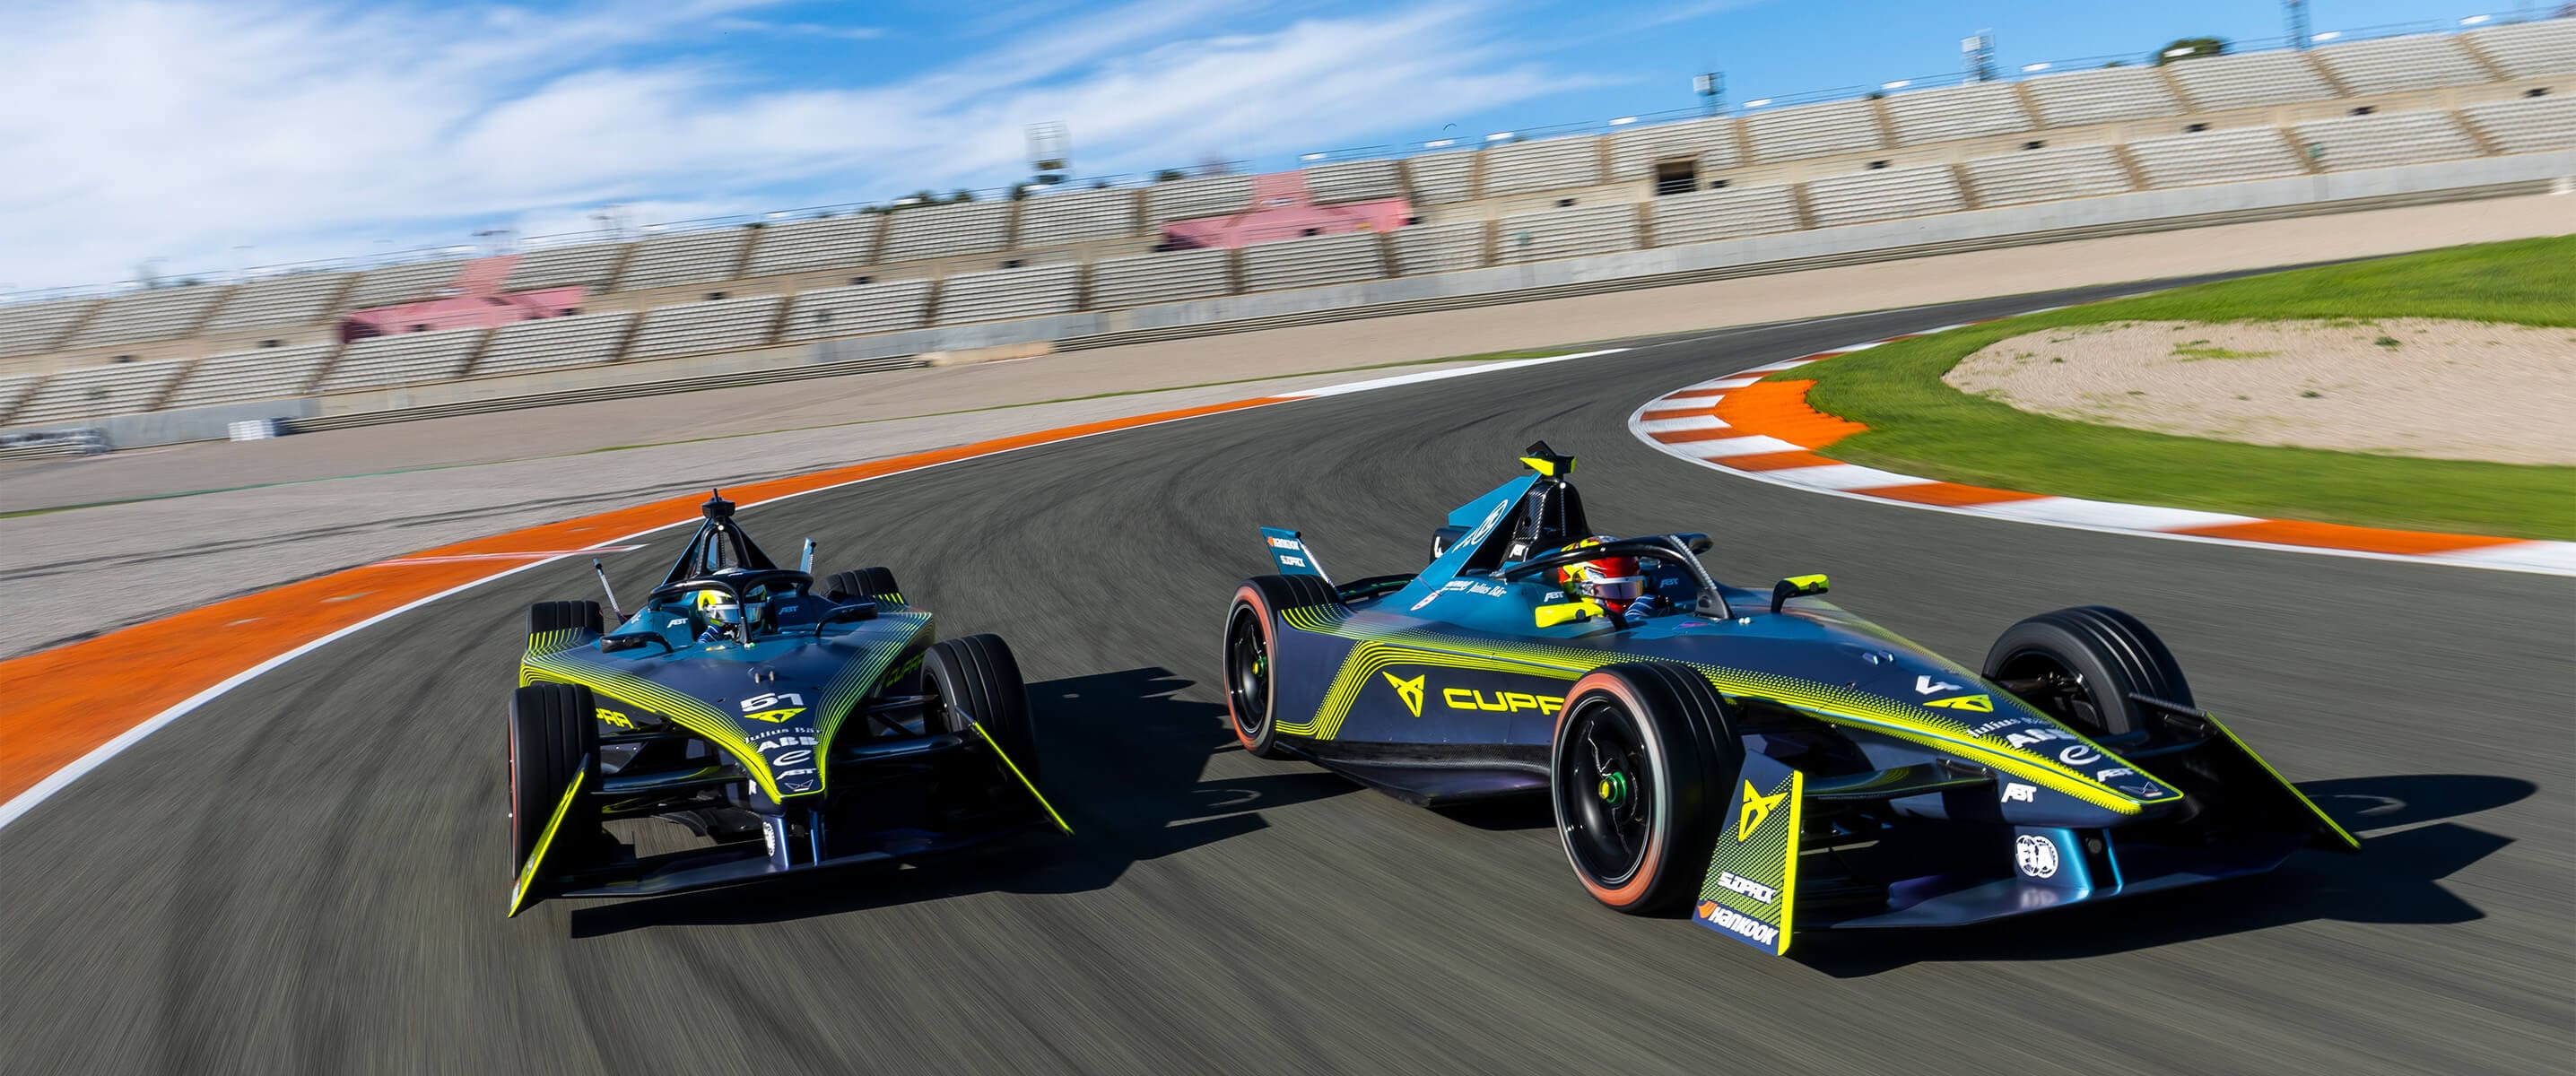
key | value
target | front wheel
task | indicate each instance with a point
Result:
(975, 680)
(554, 738)
(864, 583)
(2080, 666)
(1641, 768)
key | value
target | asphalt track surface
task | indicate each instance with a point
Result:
(308, 874)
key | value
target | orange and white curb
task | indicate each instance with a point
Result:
(1765, 431)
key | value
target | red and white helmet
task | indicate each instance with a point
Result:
(1615, 580)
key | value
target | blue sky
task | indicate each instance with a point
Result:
(214, 135)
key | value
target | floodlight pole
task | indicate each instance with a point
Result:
(2294, 13)
(1711, 87)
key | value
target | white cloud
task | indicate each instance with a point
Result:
(186, 129)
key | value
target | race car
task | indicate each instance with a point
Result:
(782, 727)
(1762, 757)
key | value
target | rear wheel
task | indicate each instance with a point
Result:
(554, 738)
(1251, 641)
(1643, 762)
(975, 680)
(2080, 665)
(865, 582)
(557, 616)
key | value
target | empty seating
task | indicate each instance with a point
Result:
(1884, 194)
(409, 282)
(1710, 143)
(28, 328)
(121, 388)
(2531, 125)
(859, 309)
(1313, 261)
(1976, 110)
(1545, 165)
(1441, 178)
(14, 390)
(2398, 64)
(1003, 294)
(2529, 49)
(1438, 248)
(1048, 220)
(809, 245)
(1160, 278)
(590, 265)
(1813, 131)
(2215, 157)
(2047, 175)
(684, 258)
(1730, 213)
(699, 328)
(1206, 196)
(548, 343)
(401, 360)
(265, 374)
(1566, 233)
(2383, 139)
(159, 314)
(2249, 80)
(2102, 95)
(302, 299)
(1354, 181)
(946, 230)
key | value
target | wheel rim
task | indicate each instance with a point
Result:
(2061, 692)
(1605, 796)
(1247, 672)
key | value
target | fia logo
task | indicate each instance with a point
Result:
(2036, 855)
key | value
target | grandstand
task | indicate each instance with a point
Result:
(1914, 154)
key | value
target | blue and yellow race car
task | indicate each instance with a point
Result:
(1765, 758)
(782, 724)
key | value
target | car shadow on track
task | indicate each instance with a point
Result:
(2395, 880)
(1123, 755)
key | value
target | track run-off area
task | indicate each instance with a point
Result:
(307, 873)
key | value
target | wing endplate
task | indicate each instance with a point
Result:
(1752, 885)
(535, 867)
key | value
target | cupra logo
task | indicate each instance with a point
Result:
(1408, 690)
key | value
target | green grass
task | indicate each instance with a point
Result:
(1918, 425)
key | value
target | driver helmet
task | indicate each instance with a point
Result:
(1611, 580)
(718, 608)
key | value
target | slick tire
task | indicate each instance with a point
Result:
(1251, 644)
(556, 616)
(554, 737)
(865, 582)
(975, 678)
(2098, 655)
(1641, 768)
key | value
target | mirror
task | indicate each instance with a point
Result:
(1796, 586)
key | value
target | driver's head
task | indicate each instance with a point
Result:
(718, 607)
(1608, 579)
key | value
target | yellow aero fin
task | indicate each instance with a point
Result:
(1815, 582)
(1549, 467)
(2339, 835)
(1023, 778)
(1550, 616)
(546, 842)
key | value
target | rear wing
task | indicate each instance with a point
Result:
(1289, 549)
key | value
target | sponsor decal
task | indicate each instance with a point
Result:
(1460, 698)
(1293, 562)
(1757, 807)
(764, 702)
(2036, 856)
(1426, 600)
(2115, 771)
(790, 758)
(1408, 690)
(806, 772)
(2015, 792)
(2036, 734)
(769, 838)
(794, 787)
(1972, 703)
(1486, 529)
(775, 742)
(1283, 543)
(1747, 886)
(619, 720)
(2079, 755)
(1995, 726)
(1747, 926)
(776, 716)
(1925, 685)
